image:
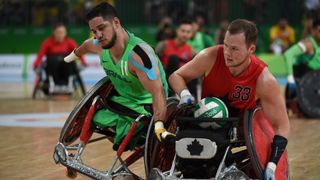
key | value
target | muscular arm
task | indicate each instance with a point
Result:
(87, 47)
(154, 87)
(199, 66)
(272, 103)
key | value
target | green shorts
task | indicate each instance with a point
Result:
(106, 118)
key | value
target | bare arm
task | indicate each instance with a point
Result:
(199, 66)
(154, 87)
(87, 47)
(161, 46)
(272, 103)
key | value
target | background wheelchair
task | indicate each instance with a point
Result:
(241, 147)
(306, 100)
(56, 77)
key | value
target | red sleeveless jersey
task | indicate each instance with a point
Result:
(237, 92)
(184, 52)
(51, 47)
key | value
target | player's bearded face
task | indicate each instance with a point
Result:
(104, 31)
(112, 40)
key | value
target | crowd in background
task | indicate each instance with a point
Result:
(42, 12)
(168, 13)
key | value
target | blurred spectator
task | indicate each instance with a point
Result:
(221, 31)
(307, 27)
(199, 39)
(200, 21)
(175, 52)
(282, 36)
(165, 29)
(57, 45)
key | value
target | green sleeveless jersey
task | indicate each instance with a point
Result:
(313, 60)
(126, 84)
(200, 41)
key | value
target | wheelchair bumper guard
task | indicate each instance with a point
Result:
(196, 148)
(75, 163)
(61, 156)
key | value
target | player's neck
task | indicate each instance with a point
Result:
(120, 45)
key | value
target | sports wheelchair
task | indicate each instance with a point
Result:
(306, 100)
(241, 147)
(56, 77)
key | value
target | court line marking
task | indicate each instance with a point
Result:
(43, 120)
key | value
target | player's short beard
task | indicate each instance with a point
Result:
(112, 42)
(243, 61)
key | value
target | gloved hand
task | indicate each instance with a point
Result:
(71, 57)
(269, 172)
(162, 133)
(291, 87)
(186, 97)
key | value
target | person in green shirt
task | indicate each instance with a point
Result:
(132, 67)
(199, 40)
(303, 57)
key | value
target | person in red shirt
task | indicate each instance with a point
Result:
(176, 52)
(55, 48)
(57, 45)
(231, 72)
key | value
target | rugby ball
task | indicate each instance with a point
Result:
(211, 107)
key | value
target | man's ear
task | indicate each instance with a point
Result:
(252, 48)
(116, 22)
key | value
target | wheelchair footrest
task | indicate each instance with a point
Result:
(86, 170)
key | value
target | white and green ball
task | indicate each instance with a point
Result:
(211, 107)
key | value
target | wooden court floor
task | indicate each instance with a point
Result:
(26, 152)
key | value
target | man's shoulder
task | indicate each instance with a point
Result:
(258, 61)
